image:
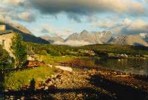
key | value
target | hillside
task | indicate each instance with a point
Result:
(24, 32)
(52, 39)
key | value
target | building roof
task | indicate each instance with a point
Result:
(5, 32)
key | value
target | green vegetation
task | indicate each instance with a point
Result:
(17, 79)
(19, 50)
(85, 56)
(5, 60)
(99, 50)
(48, 59)
(72, 61)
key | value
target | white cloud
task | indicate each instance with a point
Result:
(52, 30)
(12, 2)
(126, 22)
(16, 10)
(6, 19)
(26, 16)
(104, 23)
(129, 26)
(126, 26)
(72, 43)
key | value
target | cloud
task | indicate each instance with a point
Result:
(72, 43)
(51, 30)
(44, 31)
(16, 10)
(13, 2)
(128, 26)
(26, 16)
(6, 19)
(106, 23)
(84, 7)
(135, 27)
(122, 26)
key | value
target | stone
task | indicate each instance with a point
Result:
(80, 95)
(46, 88)
(65, 68)
(52, 87)
(48, 80)
(49, 65)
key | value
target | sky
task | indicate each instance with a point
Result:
(64, 17)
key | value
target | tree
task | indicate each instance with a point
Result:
(5, 60)
(19, 50)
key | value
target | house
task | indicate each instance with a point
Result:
(2, 27)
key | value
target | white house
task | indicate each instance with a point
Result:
(2, 27)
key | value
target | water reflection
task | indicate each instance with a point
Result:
(136, 66)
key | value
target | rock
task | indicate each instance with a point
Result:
(46, 88)
(58, 76)
(22, 98)
(49, 65)
(6, 90)
(80, 95)
(65, 68)
(123, 76)
(52, 87)
(11, 97)
(48, 80)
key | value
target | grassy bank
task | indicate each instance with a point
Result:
(18, 79)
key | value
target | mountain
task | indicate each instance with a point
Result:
(24, 32)
(52, 39)
(92, 38)
(128, 40)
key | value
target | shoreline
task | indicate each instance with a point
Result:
(98, 82)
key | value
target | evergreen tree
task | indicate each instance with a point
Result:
(19, 50)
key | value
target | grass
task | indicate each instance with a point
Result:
(16, 80)
(48, 59)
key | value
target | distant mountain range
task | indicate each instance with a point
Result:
(105, 37)
(92, 38)
(83, 38)
(24, 32)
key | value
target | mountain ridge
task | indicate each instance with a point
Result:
(24, 32)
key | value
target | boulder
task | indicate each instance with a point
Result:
(65, 68)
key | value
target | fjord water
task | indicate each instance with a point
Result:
(134, 66)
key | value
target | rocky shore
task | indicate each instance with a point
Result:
(86, 84)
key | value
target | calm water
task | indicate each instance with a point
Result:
(136, 66)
